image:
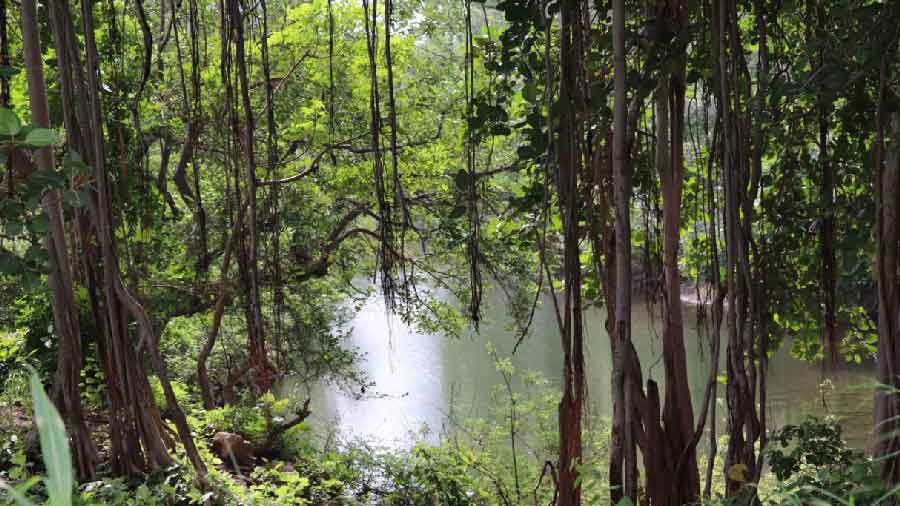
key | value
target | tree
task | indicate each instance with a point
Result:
(887, 205)
(66, 385)
(136, 429)
(570, 158)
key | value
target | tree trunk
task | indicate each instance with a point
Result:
(206, 350)
(678, 480)
(262, 372)
(826, 229)
(887, 223)
(623, 376)
(138, 439)
(743, 424)
(571, 163)
(66, 385)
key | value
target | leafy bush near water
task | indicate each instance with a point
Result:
(810, 462)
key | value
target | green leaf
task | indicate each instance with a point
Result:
(74, 165)
(14, 228)
(462, 180)
(18, 493)
(9, 122)
(40, 224)
(457, 212)
(54, 445)
(8, 71)
(40, 137)
(10, 264)
(73, 198)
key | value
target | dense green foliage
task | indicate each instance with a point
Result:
(232, 181)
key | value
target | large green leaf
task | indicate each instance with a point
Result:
(54, 446)
(9, 122)
(40, 137)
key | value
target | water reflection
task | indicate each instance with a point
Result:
(419, 376)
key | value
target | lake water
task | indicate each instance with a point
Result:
(419, 376)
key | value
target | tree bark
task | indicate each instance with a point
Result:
(623, 376)
(571, 165)
(827, 227)
(678, 481)
(206, 350)
(743, 422)
(137, 433)
(66, 384)
(262, 372)
(887, 224)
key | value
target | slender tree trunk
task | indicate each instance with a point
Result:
(571, 162)
(261, 369)
(206, 350)
(743, 424)
(827, 226)
(194, 130)
(623, 377)
(66, 385)
(4, 53)
(386, 258)
(274, 205)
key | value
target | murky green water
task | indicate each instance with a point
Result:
(418, 376)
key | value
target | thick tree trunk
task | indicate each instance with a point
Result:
(887, 223)
(678, 481)
(137, 433)
(66, 384)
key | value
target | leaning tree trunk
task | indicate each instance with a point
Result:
(66, 384)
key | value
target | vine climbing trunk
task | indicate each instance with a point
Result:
(739, 192)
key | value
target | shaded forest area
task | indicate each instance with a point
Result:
(198, 195)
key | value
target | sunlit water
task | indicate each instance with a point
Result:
(424, 381)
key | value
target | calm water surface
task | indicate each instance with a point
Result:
(418, 377)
